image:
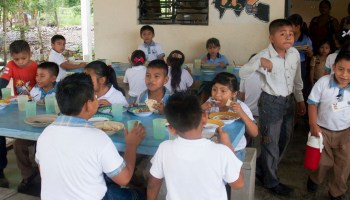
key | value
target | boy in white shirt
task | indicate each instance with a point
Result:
(152, 49)
(74, 156)
(193, 167)
(58, 44)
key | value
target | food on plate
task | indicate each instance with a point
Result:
(109, 127)
(5, 101)
(150, 103)
(225, 117)
(141, 110)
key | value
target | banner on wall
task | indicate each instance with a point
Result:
(255, 8)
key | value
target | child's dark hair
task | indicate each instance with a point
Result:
(212, 42)
(328, 3)
(342, 55)
(278, 23)
(297, 20)
(329, 42)
(160, 64)
(227, 79)
(138, 57)
(183, 112)
(175, 59)
(57, 37)
(147, 28)
(73, 92)
(19, 46)
(51, 67)
(102, 70)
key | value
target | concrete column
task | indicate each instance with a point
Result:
(86, 29)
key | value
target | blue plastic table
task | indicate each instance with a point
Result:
(12, 125)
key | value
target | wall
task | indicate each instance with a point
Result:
(117, 32)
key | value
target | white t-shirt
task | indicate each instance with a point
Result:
(37, 95)
(135, 76)
(185, 83)
(324, 94)
(251, 86)
(58, 59)
(152, 50)
(114, 96)
(72, 162)
(330, 61)
(195, 169)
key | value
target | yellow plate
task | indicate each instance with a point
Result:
(226, 117)
(216, 122)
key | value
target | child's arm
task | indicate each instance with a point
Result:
(68, 65)
(314, 128)
(253, 65)
(104, 102)
(132, 141)
(153, 187)
(251, 127)
(239, 183)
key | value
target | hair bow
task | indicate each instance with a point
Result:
(140, 59)
(346, 33)
(177, 55)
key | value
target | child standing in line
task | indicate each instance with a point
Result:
(46, 75)
(193, 167)
(213, 56)
(279, 69)
(58, 45)
(329, 115)
(135, 76)
(179, 79)
(317, 62)
(156, 78)
(223, 99)
(105, 84)
(83, 155)
(151, 49)
(22, 70)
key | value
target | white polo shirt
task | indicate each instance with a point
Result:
(195, 169)
(114, 96)
(58, 58)
(325, 93)
(186, 81)
(152, 51)
(330, 61)
(251, 86)
(135, 76)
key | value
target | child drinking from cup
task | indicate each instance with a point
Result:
(224, 99)
(135, 76)
(105, 84)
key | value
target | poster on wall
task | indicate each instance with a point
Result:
(255, 8)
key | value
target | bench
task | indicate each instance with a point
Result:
(10, 194)
(247, 192)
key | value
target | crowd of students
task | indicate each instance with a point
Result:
(78, 161)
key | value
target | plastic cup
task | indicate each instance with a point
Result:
(57, 109)
(197, 63)
(6, 93)
(30, 108)
(117, 111)
(159, 130)
(131, 124)
(230, 69)
(50, 104)
(22, 99)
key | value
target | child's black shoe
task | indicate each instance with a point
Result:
(311, 186)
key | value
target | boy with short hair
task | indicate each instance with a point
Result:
(22, 70)
(156, 78)
(329, 115)
(58, 45)
(279, 69)
(193, 167)
(152, 49)
(75, 168)
(213, 56)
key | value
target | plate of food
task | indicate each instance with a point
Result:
(40, 120)
(109, 127)
(141, 111)
(301, 47)
(150, 104)
(208, 72)
(98, 117)
(209, 66)
(210, 128)
(4, 103)
(226, 117)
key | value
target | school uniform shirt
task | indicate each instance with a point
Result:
(324, 95)
(37, 93)
(114, 96)
(186, 81)
(243, 142)
(23, 78)
(303, 40)
(195, 169)
(144, 96)
(251, 86)
(219, 59)
(58, 58)
(135, 76)
(73, 157)
(152, 51)
(285, 77)
(330, 61)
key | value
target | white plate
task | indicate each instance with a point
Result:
(40, 120)
(109, 127)
(143, 114)
(98, 119)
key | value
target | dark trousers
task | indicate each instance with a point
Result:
(3, 153)
(276, 119)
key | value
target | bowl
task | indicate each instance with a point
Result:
(101, 117)
(226, 117)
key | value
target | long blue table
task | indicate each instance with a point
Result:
(12, 125)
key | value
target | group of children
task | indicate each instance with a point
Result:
(86, 164)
